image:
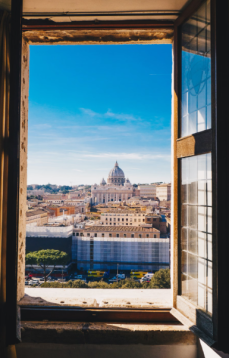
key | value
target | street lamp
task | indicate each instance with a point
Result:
(117, 271)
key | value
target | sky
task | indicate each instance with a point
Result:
(90, 105)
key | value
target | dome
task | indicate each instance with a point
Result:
(103, 182)
(116, 172)
(116, 176)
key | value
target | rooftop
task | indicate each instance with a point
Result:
(120, 228)
(35, 212)
(124, 211)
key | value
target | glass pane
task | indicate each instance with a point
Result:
(196, 229)
(196, 72)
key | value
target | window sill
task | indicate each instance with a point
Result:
(106, 333)
(98, 298)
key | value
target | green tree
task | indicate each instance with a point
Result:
(47, 258)
(161, 279)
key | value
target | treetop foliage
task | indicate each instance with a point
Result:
(47, 257)
(161, 279)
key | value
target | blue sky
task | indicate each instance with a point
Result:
(90, 105)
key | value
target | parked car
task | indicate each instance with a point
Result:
(26, 283)
(114, 279)
(33, 282)
(121, 276)
(147, 277)
(78, 277)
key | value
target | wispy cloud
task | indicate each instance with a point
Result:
(42, 126)
(130, 156)
(110, 114)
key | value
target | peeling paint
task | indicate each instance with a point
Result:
(99, 36)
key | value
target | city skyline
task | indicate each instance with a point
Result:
(110, 103)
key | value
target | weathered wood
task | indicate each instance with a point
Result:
(102, 36)
(13, 174)
(95, 314)
(195, 144)
(174, 204)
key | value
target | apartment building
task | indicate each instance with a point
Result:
(157, 221)
(123, 218)
(38, 216)
(117, 231)
(163, 192)
(147, 190)
(60, 210)
(132, 248)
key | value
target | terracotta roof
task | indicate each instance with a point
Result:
(119, 228)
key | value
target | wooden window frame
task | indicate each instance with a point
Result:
(215, 141)
(220, 95)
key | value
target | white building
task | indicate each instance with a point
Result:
(163, 192)
(104, 253)
(117, 188)
(147, 190)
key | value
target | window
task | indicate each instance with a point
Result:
(124, 235)
(195, 116)
(155, 236)
(139, 235)
(102, 235)
(95, 235)
(147, 235)
(132, 235)
(110, 235)
(196, 230)
(196, 84)
(81, 234)
(88, 234)
(117, 235)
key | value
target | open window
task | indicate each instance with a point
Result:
(200, 189)
(198, 144)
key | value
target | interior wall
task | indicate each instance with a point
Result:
(47, 350)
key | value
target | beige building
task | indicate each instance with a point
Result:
(117, 188)
(147, 190)
(157, 221)
(40, 217)
(117, 231)
(163, 192)
(122, 217)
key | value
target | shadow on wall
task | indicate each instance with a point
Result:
(47, 350)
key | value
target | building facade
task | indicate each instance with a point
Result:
(163, 192)
(123, 217)
(102, 248)
(117, 188)
(148, 190)
(37, 216)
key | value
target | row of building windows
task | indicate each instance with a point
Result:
(135, 220)
(123, 214)
(117, 235)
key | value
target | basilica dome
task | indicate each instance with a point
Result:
(116, 176)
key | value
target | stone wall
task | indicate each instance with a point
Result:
(23, 168)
